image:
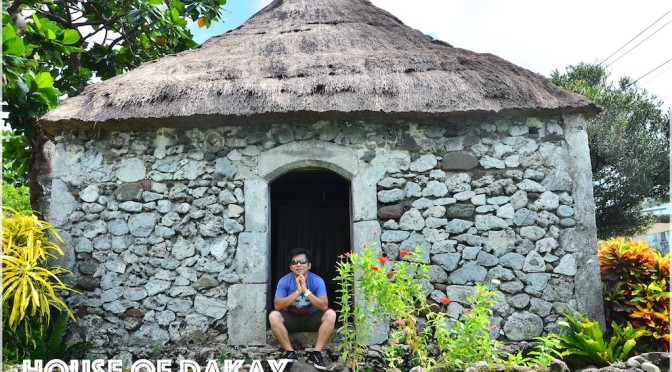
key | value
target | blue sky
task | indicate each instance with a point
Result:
(539, 35)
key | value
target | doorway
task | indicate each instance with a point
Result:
(310, 208)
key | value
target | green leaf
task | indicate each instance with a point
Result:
(70, 36)
(44, 80)
(51, 35)
(13, 47)
(8, 33)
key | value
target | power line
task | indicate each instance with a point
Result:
(638, 44)
(661, 65)
(624, 45)
(655, 77)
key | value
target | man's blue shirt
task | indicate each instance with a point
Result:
(287, 285)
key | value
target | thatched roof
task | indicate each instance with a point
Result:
(308, 59)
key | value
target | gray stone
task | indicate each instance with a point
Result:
(499, 242)
(62, 203)
(534, 263)
(135, 293)
(111, 295)
(547, 201)
(470, 253)
(546, 245)
(460, 294)
(458, 226)
(511, 287)
(499, 200)
(437, 274)
(558, 180)
(435, 188)
(530, 186)
(519, 199)
(232, 226)
(155, 286)
(190, 169)
(422, 203)
(649, 367)
(444, 246)
(486, 259)
(90, 194)
(500, 274)
(118, 227)
(546, 219)
(540, 307)
(391, 196)
(519, 301)
(567, 222)
(148, 334)
(564, 211)
(470, 239)
(538, 281)
(444, 201)
(458, 161)
(464, 195)
(534, 174)
(460, 211)
(424, 163)
(532, 233)
(524, 217)
(250, 252)
(489, 162)
(205, 282)
(567, 266)
(448, 261)
(210, 307)
(478, 199)
(83, 245)
(412, 190)
(130, 206)
(412, 220)
(523, 326)
(131, 170)
(116, 266)
(391, 182)
(505, 212)
(458, 183)
(486, 209)
(470, 272)
(437, 211)
(225, 197)
(247, 314)
(489, 222)
(433, 222)
(141, 225)
(394, 236)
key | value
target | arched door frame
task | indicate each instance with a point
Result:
(255, 243)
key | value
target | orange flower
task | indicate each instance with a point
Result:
(390, 274)
(374, 268)
(445, 300)
(403, 253)
(383, 259)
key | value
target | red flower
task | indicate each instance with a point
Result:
(403, 253)
(383, 259)
(374, 268)
(445, 300)
(390, 274)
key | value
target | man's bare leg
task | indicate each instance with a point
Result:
(326, 329)
(279, 330)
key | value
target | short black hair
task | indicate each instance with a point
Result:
(297, 251)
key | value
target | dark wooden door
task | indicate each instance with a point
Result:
(310, 209)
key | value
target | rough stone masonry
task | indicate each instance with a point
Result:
(166, 231)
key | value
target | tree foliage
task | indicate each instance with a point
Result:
(53, 48)
(629, 148)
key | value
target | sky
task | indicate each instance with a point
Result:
(541, 36)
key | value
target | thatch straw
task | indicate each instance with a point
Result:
(309, 59)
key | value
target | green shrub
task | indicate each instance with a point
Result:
(17, 198)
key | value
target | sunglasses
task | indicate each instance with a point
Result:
(296, 262)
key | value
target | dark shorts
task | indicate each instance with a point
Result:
(302, 322)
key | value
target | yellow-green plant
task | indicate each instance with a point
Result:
(29, 283)
(585, 340)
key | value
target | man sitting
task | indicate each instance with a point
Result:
(301, 305)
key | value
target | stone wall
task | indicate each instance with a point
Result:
(165, 231)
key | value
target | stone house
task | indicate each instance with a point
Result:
(179, 186)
